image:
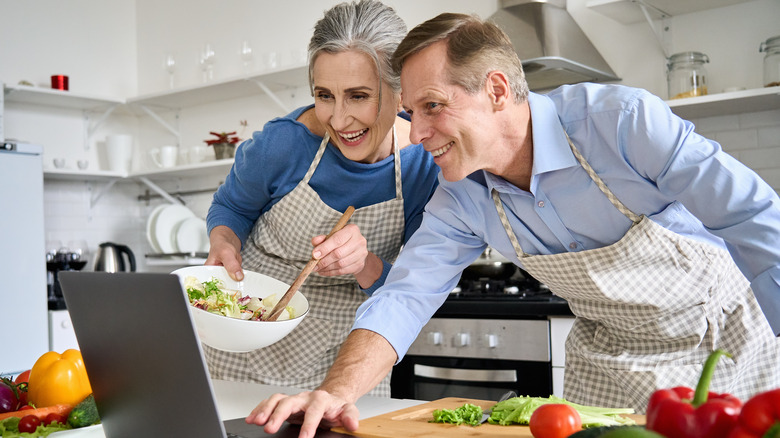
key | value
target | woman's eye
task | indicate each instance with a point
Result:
(359, 97)
(324, 96)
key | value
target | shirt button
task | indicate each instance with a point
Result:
(540, 204)
(573, 245)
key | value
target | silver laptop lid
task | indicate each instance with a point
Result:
(142, 354)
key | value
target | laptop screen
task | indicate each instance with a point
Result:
(142, 354)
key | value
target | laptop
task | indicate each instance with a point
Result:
(144, 359)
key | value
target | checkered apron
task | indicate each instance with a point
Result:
(280, 246)
(650, 308)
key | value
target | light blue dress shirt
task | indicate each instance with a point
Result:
(652, 160)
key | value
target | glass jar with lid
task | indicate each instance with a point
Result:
(686, 75)
(771, 61)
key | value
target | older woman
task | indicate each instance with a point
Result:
(292, 181)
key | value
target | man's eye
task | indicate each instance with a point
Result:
(433, 105)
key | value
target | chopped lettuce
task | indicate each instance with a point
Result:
(211, 296)
(466, 414)
(518, 410)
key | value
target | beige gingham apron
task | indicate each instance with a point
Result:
(650, 308)
(280, 246)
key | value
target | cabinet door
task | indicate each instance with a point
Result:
(23, 323)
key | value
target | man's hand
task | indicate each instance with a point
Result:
(364, 360)
(309, 409)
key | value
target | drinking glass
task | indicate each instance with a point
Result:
(247, 56)
(207, 59)
(170, 66)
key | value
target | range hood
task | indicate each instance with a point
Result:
(551, 46)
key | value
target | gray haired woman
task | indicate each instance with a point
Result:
(292, 181)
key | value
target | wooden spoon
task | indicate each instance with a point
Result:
(277, 310)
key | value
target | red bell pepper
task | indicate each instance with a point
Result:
(760, 417)
(681, 412)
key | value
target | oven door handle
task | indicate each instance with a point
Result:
(465, 375)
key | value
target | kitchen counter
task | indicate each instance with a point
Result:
(237, 399)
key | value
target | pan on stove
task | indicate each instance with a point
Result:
(490, 264)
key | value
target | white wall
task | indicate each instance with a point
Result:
(116, 49)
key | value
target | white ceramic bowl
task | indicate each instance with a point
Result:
(237, 335)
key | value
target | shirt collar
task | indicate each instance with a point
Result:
(551, 149)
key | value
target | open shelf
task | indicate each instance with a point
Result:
(57, 98)
(187, 170)
(628, 11)
(721, 104)
(275, 80)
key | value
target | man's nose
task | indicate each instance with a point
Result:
(420, 131)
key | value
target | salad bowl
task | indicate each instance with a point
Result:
(239, 335)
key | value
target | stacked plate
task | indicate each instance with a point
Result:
(173, 228)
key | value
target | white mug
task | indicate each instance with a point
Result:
(119, 151)
(165, 156)
(199, 154)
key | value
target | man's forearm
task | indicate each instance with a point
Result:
(364, 360)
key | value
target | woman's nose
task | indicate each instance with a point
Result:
(341, 117)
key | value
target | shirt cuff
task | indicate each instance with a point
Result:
(766, 288)
(380, 281)
(394, 322)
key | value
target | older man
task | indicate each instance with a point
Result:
(665, 247)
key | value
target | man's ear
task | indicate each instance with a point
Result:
(498, 89)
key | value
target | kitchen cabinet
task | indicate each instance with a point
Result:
(559, 331)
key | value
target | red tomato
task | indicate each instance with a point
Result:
(55, 418)
(26, 407)
(554, 421)
(22, 378)
(29, 423)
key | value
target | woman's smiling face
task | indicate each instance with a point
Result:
(347, 103)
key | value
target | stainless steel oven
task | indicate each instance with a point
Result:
(490, 336)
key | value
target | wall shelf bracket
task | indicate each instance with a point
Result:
(160, 191)
(662, 36)
(271, 94)
(162, 122)
(96, 196)
(90, 128)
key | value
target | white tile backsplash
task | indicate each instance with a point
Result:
(72, 213)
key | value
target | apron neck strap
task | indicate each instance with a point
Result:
(399, 194)
(600, 184)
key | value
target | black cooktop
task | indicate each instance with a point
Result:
(519, 296)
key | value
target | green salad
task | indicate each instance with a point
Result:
(212, 296)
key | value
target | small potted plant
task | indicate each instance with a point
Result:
(224, 144)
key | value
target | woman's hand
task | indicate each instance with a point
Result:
(346, 252)
(225, 250)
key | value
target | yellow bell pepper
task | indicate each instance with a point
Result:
(58, 379)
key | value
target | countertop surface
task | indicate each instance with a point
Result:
(237, 399)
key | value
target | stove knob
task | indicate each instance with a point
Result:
(492, 340)
(462, 340)
(435, 338)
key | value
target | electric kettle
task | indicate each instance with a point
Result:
(109, 258)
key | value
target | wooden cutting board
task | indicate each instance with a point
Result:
(413, 422)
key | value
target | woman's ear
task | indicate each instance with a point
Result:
(498, 88)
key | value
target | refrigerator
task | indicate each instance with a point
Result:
(24, 326)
